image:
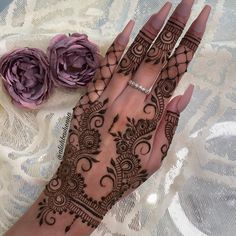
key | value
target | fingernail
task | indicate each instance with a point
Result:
(199, 24)
(158, 19)
(183, 10)
(180, 102)
(123, 37)
(185, 98)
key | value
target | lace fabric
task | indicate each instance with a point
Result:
(194, 192)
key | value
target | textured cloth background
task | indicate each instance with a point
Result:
(4, 3)
(194, 192)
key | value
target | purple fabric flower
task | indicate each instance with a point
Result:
(73, 60)
(25, 74)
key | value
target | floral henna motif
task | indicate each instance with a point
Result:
(135, 54)
(162, 47)
(170, 127)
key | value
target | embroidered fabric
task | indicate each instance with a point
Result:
(194, 192)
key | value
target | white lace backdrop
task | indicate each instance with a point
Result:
(194, 192)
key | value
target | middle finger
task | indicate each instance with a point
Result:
(135, 54)
(160, 51)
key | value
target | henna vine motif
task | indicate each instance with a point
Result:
(162, 47)
(171, 119)
(135, 54)
(65, 192)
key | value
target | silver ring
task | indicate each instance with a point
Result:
(138, 87)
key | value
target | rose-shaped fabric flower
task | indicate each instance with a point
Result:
(25, 75)
(73, 60)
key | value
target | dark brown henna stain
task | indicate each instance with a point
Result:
(135, 54)
(171, 119)
(162, 47)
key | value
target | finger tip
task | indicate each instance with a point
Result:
(185, 98)
(208, 7)
(123, 37)
(165, 9)
(190, 2)
(205, 12)
(183, 11)
(130, 25)
(172, 105)
(199, 25)
(190, 89)
(157, 20)
(167, 5)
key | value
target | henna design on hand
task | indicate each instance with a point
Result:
(171, 119)
(135, 54)
(66, 192)
(162, 47)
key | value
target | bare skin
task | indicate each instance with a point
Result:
(119, 135)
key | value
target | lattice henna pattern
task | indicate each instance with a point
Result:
(135, 54)
(162, 47)
(175, 68)
(168, 81)
(171, 119)
(102, 78)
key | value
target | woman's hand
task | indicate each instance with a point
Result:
(119, 135)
